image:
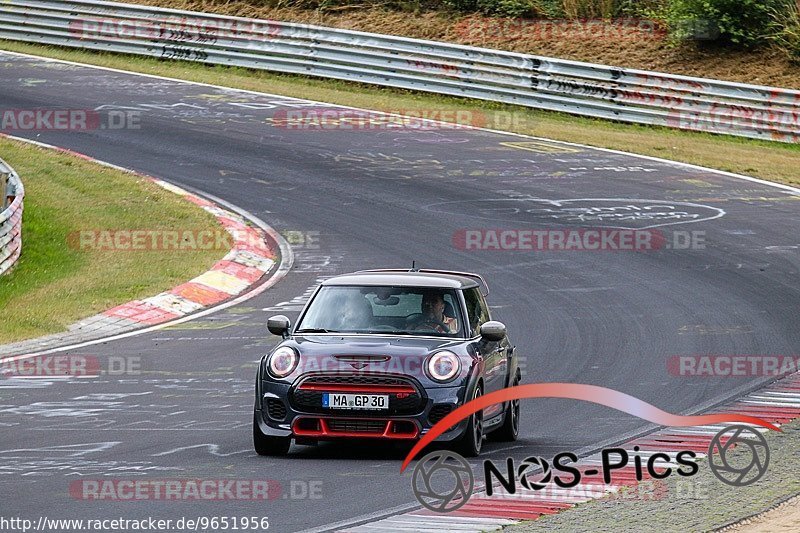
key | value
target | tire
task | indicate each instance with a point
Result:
(471, 442)
(509, 431)
(267, 445)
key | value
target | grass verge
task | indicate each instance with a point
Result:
(767, 160)
(57, 283)
(697, 503)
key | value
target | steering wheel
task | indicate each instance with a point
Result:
(431, 324)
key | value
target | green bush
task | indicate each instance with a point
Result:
(540, 8)
(500, 8)
(745, 23)
(640, 8)
(786, 30)
(509, 8)
(574, 9)
(462, 6)
(553, 9)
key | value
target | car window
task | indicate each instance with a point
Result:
(407, 304)
(371, 309)
(477, 310)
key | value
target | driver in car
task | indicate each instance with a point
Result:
(433, 317)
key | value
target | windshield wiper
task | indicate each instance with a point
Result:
(316, 330)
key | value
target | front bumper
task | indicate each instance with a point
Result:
(279, 413)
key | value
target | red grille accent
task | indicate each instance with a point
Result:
(354, 427)
(343, 387)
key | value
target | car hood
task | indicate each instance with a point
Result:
(366, 354)
(389, 345)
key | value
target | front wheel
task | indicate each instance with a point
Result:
(268, 445)
(470, 444)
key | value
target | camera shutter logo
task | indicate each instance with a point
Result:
(442, 481)
(533, 463)
(738, 455)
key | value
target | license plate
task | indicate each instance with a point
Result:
(355, 401)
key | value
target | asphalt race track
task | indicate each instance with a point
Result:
(382, 197)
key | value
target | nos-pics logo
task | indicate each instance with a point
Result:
(443, 481)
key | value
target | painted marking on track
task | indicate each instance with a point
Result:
(704, 329)
(541, 147)
(207, 338)
(700, 183)
(209, 325)
(68, 450)
(782, 394)
(298, 302)
(213, 449)
(622, 213)
(430, 523)
(773, 402)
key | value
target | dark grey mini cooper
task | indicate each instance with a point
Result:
(386, 354)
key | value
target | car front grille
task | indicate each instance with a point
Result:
(439, 411)
(320, 427)
(357, 426)
(405, 397)
(357, 379)
(276, 410)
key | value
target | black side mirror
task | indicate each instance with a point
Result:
(493, 331)
(279, 325)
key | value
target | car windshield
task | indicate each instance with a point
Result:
(392, 310)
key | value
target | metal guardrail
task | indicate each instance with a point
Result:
(586, 89)
(10, 218)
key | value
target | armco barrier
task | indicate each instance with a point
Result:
(10, 219)
(540, 82)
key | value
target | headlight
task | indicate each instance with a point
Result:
(443, 366)
(282, 362)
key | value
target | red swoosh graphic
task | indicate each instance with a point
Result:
(575, 391)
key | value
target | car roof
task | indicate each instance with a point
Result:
(405, 279)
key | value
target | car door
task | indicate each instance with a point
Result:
(494, 354)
